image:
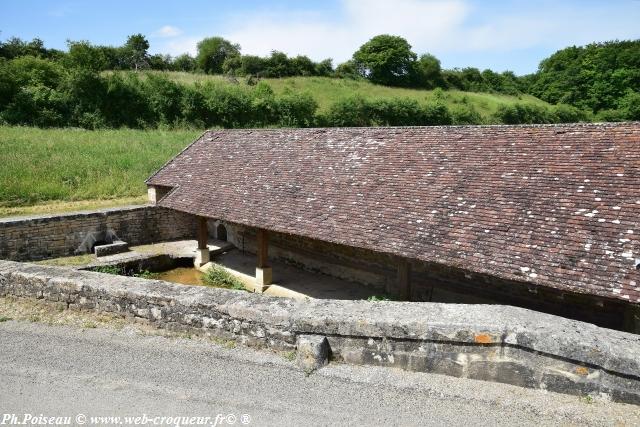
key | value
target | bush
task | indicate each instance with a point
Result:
(610, 116)
(296, 110)
(126, 103)
(396, 112)
(465, 115)
(37, 106)
(163, 98)
(436, 114)
(629, 105)
(568, 114)
(218, 277)
(521, 113)
(357, 111)
(353, 111)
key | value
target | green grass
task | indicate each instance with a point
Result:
(326, 90)
(44, 165)
(60, 170)
(218, 277)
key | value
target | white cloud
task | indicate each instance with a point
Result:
(179, 45)
(443, 27)
(168, 31)
(322, 37)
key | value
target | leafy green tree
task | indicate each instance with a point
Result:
(348, 70)
(184, 62)
(324, 68)
(135, 50)
(160, 62)
(278, 65)
(213, 51)
(629, 105)
(386, 60)
(16, 47)
(301, 65)
(429, 71)
(83, 54)
(596, 76)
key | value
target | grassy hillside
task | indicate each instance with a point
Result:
(44, 165)
(67, 169)
(326, 90)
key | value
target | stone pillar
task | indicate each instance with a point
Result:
(264, 274)
(202, 252)
(404, 279)
(155, 193)
(152, 194)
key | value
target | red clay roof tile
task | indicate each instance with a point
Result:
(553, 205)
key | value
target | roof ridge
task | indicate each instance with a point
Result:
(483, 126)
(168, 162)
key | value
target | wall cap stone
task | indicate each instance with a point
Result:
(70, 215)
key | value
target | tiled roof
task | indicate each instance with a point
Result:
(553, 205)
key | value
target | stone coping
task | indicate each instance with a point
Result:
(67, 215)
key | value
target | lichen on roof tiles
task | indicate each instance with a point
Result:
(528, 194)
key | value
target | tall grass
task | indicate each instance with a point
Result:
(38, 165)
(327, 90)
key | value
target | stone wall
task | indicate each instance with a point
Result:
(41, 237)
(486, 342)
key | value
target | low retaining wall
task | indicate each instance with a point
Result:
(41, 237)
(493, 343)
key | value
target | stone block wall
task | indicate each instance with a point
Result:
(486, 342)
(41, 237)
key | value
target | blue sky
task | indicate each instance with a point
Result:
(501, 35)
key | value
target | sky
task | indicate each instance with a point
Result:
(498, 34)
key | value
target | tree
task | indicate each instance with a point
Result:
(278, 64)
(324, 67)
(301, 65)
(160, 62)
(136, 51)
(386, 60)
(348, 70)
(83, 54)
(184, 62)
(16, 47)
(597, 76)
(212, 53)
(429, 71)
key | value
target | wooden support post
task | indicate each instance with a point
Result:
(404, 280)
(202, 233)
(263, 248)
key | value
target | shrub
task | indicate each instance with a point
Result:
(126, 103)
(396, 112)
(38, 106)
(163, 98)
(352, 111)
(296, 110)
(629, 105)
(465, 115)
(568, 114)
(227, 106)
(436, 114)
(218, 277)
(521, 113)
(610, 116)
